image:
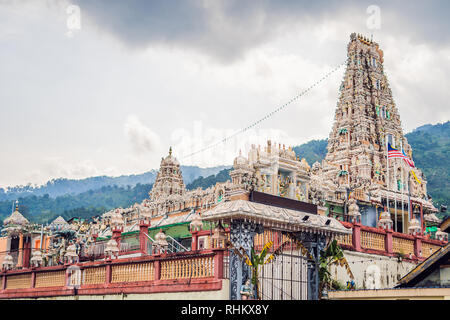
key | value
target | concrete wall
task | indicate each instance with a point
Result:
(392, 294)
(223, 294)
(372, 271)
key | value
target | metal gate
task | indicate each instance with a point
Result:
(285, 278)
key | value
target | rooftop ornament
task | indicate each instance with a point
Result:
(145, 215)
(112, 249)
(8, 262)
(117, 220)
(36, 259)
(15, 224)
(59, 224)
(354, 214)
(219, 235)
(385, 221)
(161, 242)
(196, 223)
(442, 236)
(414, 227)
(71, 254)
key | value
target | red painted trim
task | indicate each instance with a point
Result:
(159, 286)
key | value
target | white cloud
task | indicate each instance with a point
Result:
(142, 139)
(97, 106)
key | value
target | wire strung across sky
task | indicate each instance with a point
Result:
(268, 115)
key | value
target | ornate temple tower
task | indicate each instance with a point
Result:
(366, 119)
(169, 180)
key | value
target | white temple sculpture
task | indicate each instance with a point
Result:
(71, 255)
(36, 258)
(353, 213)
(161, 242)
(414, 227)
(385, 221)
(8, 262)
(442, 236)
(196, 223)
(112, 249)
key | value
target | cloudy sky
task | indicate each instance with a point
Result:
(105, 87)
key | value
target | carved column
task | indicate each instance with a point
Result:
(315, 243)
(241, 235)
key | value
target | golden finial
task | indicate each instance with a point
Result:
(170, 151)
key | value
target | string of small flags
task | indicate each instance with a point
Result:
(269, 115)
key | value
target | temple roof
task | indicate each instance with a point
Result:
(422, 270)
(59, 220)
(16, 218)
(271, 216)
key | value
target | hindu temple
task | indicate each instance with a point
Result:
(182, 243)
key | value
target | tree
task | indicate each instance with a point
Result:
(333, 254)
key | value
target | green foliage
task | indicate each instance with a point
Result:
(331, 255)
(313, 151)
(63, 186)
(42, 209)
(336, 285)
(204, 183)
(431, 153)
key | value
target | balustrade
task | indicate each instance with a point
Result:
(114, 276)
(18, 281)
(402, 245)
(344, 239)
(94, 275)
(50, 279)
(428, 249)
(387, 241)
(375, 241)
(187, 268)
(132, 272)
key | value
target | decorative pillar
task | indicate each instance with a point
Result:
(20, 253)
(418, 246)
(388, 241)
(33, 279)
(356, 238)
(116, 235)
(242, 234)
(157, 269)
(26, 251)
(422, 223)
(143, 230)
(218, 263)
(194, 242)
(108, 272)
(67, 277)
(4, 281)
(315, 243)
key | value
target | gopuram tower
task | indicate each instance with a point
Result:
(356, 164)
(169, 180)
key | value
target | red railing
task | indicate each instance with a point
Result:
(180, 272)
(387, 242)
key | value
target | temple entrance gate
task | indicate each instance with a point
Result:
(297, 237)
(286, 278)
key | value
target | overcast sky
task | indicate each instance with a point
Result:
(136, 77)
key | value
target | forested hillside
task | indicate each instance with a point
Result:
(44, 208)
(63, 186)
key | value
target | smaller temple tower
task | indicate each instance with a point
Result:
(169, 180)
